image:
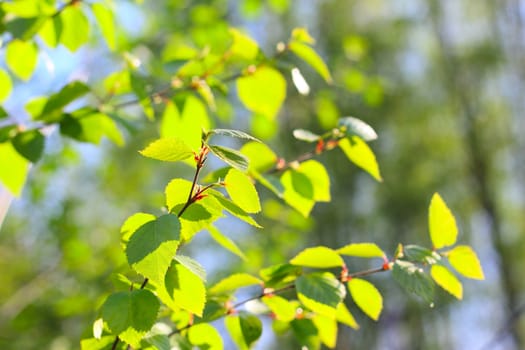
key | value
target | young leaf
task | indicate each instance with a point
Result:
(416, 253)
(276, 275)
(234, 282)
(307, 54)
(306, 333)
(361, 155)
(261, 157)
(6, 85)
(106, 23)
(464, 259)
(199, 216)
(192, 265)
(318, 257)
(103, 343)
(356, 127)
(177, 192)
(244, 329)
(21, 58)
(442, 224)
(362, 250)
(152, 247)
(305, 135)
(344, 316)
(225, 242)
(413, 279)
(327, 328)
(205, 336)
(234, 209)
(30, 144)
(283, 309)
(168, 149)
(367, 297)
(25, 28)
(298, 191)
(243, 46)
(75, 28)
(320, 292)
(13, 169)
(231, 157)
(184, 288)
(447, 280)
(133, 223)
(242, 191)
(130, 314)
(233, 133)
(301, 35)
(51, 110)
(262, 92)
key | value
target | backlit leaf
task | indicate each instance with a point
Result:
(205, 336)
(183, 289)
(263, 91)
(90, 126)
(75, 28)
(13, 169)
(362, 250)
(308, 54)
(5, 85)
(242, 191)
(327, 328)
(234, 282)
(225, 242)
(21, 58)
(280, 274)
(103, 343)
(52, 110)
(367, 297)
(152, 247)
(233, 133)
(283, 309)
(168, 149)
(230, 156)
(442, 224)
(301, 34)
(320, 292)
(25, 28)
(359, 153)
(244, 329)
(465, 260)
(141, 89)
(447, 280)
(133, 223)
(243, 46)
(177, 192)
(344, 316)
(30, 144)
(261, 157)
(356, 127)
(106, 23)
(306, 333)
(416, 253)
(192, 265)
(318, 257)
(413, 279)
(298, 191)
(234, 209)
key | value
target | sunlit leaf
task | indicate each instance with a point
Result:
(301, 34)
(168, 149)
(243, 46)
(442, 224)
(141, 89)
(242, 191)
(75, 28)
(283, 309)
(52, 110)
(327, 328)
(356, 127)
(280, 274)
(465, 260)
(192, 265)
(359, 153)
(367, 297)
(306, 333)
(344, 316)
(234, 209)
(318, 257)
(244, 329)
(420, 254)
(177, 193)
(308, 54)
(13, 169)
(25, 28)
(320, 292)
(263, 91)
(5, 85)
(133, 223)
(205, 336)
(21, 58)
(234, 282)
(447, 280)
(362, 250)
(233, 133)
(413, 279)
(104, 343)
(106, 23)
(261, 157)
(225, 242)
(230, 156)
(90, 126)
(30, 144)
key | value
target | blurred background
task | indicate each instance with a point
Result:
(442, 83)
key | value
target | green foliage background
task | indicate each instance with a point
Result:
(440, 82)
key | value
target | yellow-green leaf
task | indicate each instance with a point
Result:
(185, 289)
(233, 282)
(318, 175)
(465, 260)
(225, 242)
(133, 223)
(242, 191)
(13, 169)
(243, 46)
(447, 280)
(261, 157)
(344, 316)
(442, 224)
(106, 23)
(311, 57)
(362, 250)
(263, 91)
(367, 297)
(168, 149)
(5, 85)
(319, 257)
(21, 58)
(75, 28)
(327, 328)
(283, 309)
(205, 336)
(359, 153)
(301, 34)
(320, 292)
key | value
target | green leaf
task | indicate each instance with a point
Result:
(464, 259)
(447, 280)
(21, 58)
(356, 127)
(6, 85)
(242, 191)
(413, 279)
(307, 54)
(75, 28)
(243, 46)
(344, 316)
(442, 224)
(234, 209)
(362, 250)
(3, 115)
(233, 133)
(261, 157)
(301, 34)
(52, 110)
(231, 157)
(359, 153)
(366, 296)
(318, 257)
(225, 242)
(157, 342)
(420, 254)
(88, 125)
(276, 275)
(205, 336)
(13, 169)
(199, 216)
(30, 144)
(192, 265)
(244, 329)
(306, 333)
(106, 22)
(318, 176)
(183, 289)
(305, 135)
(262, 92)
(320, 292)
(168, 149)
(327, 329)
(103, 343)
(177, 192)
(152, 247)
(140, 88)
(50, 31)
(133, 223)
(234, 282)
(130, 314)
(25, 28)
(193, 121)
(283, 309)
